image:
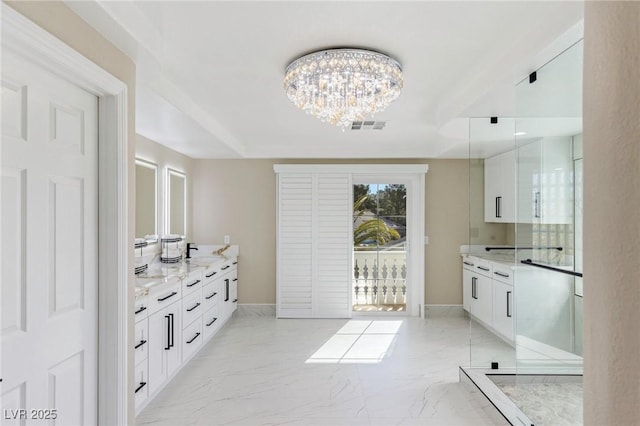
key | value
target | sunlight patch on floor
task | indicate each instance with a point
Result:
(358, 342)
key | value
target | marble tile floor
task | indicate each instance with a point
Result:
(261, 371)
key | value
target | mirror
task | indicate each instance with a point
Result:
(176, 202)
(146, 198)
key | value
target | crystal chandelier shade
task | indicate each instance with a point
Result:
(340, 86)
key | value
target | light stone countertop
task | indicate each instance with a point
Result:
(161, 273)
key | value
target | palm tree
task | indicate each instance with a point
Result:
(372, 229)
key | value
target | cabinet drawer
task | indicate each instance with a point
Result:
(141, 387)
(141, 340)
(210, 295)
(192, 339)
(469, 262)
(484, 267)
(211, 321)
(163, 295)
(191, 308)
(141, 307)
(503, 273)
(192, 283)
(211, 273)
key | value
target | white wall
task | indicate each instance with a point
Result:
(238, 198)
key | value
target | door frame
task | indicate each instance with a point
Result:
(412, 175)
(29, 41)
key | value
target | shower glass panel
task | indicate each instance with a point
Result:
(548, 275)
(548, 132)
(491, 217)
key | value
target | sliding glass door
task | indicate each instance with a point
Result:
(379, 247)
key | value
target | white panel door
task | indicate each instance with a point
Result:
(49, 245)
(333, 246)
(295, 257)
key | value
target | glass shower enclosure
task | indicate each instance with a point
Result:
(524, 262)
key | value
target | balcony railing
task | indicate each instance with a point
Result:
(380, 279)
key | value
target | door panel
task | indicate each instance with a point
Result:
(49, 243)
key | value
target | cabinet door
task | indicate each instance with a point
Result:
(529, 183)
(227, 308)
(507, 190)
(141, 385)
(234, 290)
(174, 355)
(164, 345)
(159, 327)
(467, 283)
(500, 188)
(491, 188)
(503, 309)
(482, 299)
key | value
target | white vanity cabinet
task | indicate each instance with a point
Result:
(177, 316)
(500, 188)
(488, 294)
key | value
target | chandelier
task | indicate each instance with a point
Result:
(340, 86)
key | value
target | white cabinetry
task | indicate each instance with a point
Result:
(176, 318)
(488, 294)
(500, 188)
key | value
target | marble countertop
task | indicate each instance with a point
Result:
(161, 273)
(498, 258)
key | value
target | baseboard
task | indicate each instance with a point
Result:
(439, 311)
(256, 310)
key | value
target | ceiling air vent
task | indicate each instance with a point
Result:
(368, 125)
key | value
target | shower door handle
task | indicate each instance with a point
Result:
(509, 305)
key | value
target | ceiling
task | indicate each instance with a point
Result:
(209, 73)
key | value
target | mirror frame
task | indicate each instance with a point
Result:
(150, 165)
(169, 173)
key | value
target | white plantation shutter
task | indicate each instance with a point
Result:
(333, 246)
(314, 245)
(295, 254)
